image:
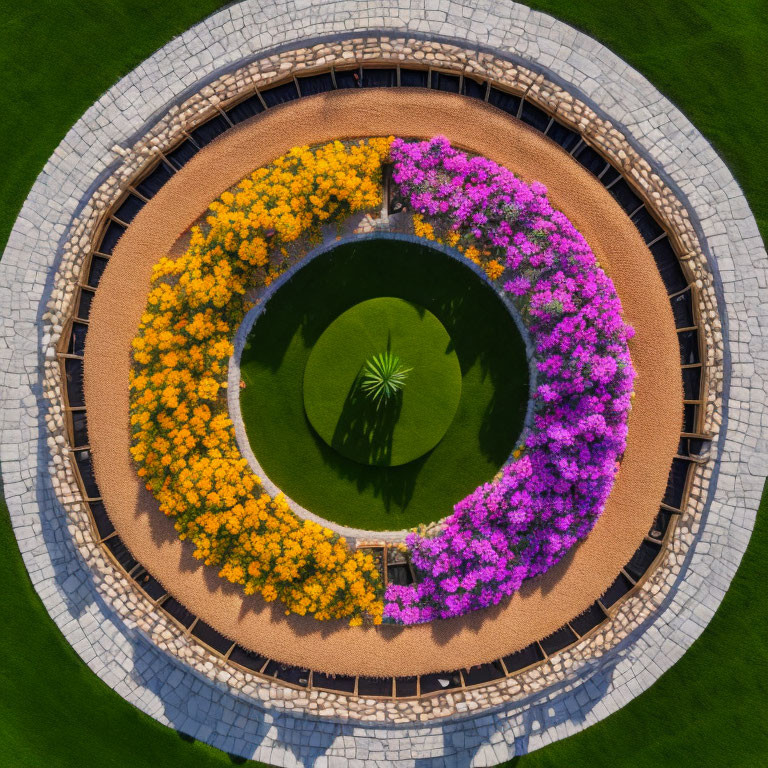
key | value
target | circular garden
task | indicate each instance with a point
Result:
(321, 390)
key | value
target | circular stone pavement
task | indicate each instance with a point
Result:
(736, 465)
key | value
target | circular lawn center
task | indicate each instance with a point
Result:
(479, 438)
(395, 430)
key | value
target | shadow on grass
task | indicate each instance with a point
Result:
(234, 759)
(394, 486)
(364, 429)
(491, 356)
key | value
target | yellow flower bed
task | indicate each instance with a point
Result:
(183, 439)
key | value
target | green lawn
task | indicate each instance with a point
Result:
(383, 382)
(493, 386)
(709, 710)
(54, 711)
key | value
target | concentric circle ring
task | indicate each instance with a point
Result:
(545, 604)
(395, 429)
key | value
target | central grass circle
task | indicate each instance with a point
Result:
(484, 429)
(412, 422)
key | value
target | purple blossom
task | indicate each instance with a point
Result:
(550, 497)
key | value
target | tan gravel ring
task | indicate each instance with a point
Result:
(545, 604)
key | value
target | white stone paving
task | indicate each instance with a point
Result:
(174, 694)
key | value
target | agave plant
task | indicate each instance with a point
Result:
(383, 377)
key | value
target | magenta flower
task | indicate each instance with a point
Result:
(549, 498)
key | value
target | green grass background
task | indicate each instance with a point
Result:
(709, 710)
(481, 435)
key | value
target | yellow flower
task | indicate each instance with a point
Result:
(494, 269)
(183, 439)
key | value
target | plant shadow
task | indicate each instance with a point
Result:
(365, 430)
(393, 486)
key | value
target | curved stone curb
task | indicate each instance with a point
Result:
(178, 696)
(233, 384)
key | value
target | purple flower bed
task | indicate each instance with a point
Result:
(550, 497)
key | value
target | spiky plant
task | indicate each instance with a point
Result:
(383, 377)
